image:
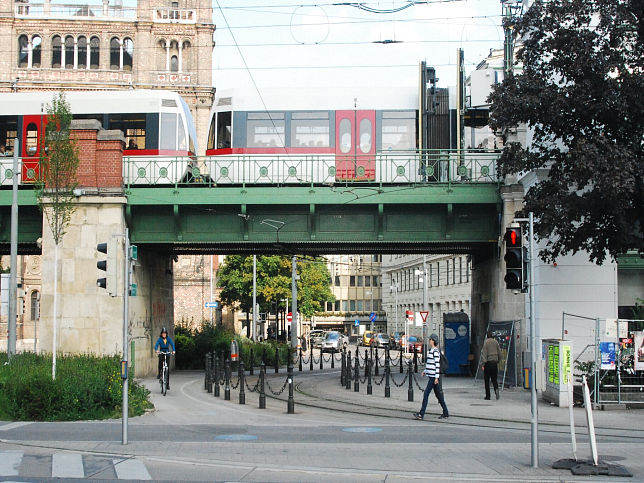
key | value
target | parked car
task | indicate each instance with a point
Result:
(414, 344)
(316, 337)
(366, 338)
(380, 340)
(333, 341)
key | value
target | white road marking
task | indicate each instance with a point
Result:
(131, 469)
(67, 465)
(17, 424)
(9, 462)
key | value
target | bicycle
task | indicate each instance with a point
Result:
(163, 380)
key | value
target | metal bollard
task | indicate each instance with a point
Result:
(291, 401)
(366, 359)
(209, 372)
(369, 387)
(242, 389)
(264, 356)
(387, 372)
(333, 359)
(227, 375)
(342, 366)
(252, 362)
(347, 377)
(217, 392)
(300, 361)
(376, 372)
(401, 361)
(356, 382)
(415, 361)
(311, 359)
(371, 351)
(277, 360)
(410, 390)
(262, 394)
(321, 359)
(206, 374)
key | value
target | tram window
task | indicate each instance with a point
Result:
(398, 130)
(8, 133)
(224, 130)
(132, 125)
(344, 131)
(31, 143)
(265, 130)
(211, 133)
(310, 129)
(365, 135)
(168, 136)
(182, 136)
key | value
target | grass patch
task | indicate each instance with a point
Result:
(86, 387)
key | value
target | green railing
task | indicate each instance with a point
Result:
(383, 168)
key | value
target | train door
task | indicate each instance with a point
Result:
(355, 145)
(30, 146)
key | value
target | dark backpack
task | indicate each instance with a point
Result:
(444, 363)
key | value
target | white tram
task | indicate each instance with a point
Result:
(160, 136)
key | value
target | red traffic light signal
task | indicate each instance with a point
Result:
(514, 266)
(513, 238)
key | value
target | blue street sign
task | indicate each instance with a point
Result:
(372, 316)
(213, 305)
(356, 323)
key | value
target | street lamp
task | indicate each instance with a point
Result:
(423, 278)
(394, 288)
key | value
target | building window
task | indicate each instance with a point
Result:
(69, 52)
(329, 306)
(115, 54)
(128, 54)
(360, 305)
(23, 51)
(336, 308)
(36, 51)
(367, 305)
(375, 280)
(344, 306)
(367, 281)
(360, 281)
(352, 305)
(337, 280)
(82, 52)
(56, 52)
(174, 64)
(35, 305)
(94, 52)
(352, 281)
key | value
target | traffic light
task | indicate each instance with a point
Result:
(109, 266)
(514, 270)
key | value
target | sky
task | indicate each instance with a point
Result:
(274, 43)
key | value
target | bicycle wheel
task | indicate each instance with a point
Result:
(164, 381)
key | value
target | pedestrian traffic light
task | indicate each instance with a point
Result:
(514, 271)
(109, 266)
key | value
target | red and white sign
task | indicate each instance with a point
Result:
(410, 316)
(289, 317)
(423, 315)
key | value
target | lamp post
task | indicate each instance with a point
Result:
(394, 288)
(423, 279)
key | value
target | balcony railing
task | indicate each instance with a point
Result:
(78, 11)
(175, 15)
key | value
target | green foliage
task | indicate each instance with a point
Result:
(274, 283)
(86, 387)
(580, 93)
(57, 170)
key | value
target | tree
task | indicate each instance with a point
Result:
(273, 284)
(580, 94)
(56, 182)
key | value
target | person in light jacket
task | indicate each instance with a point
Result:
(490, 357)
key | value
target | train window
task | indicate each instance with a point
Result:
(31, 143)
(398, 130)
(265, 130)
(211, 132)
(168, 136)
(310, 129)
(365, 135)
(344, 132)
(56, 52)
(133, 127)
(224, 130)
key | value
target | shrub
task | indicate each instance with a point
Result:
(86, 387)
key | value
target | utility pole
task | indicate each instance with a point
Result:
(294, 279)
(13, 276)
(253, 332)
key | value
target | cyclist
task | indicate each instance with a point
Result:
(163, 344)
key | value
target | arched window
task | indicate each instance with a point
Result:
(82, 52)
(174, 64)
(35, 305)
(128, 54)
(94, 52)
(36, 43)
(69, 52)
(32, 139)
(56, 52)
(186, 61)
(23, 51)
(115, 54)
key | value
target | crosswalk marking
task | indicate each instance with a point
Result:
(10, 462)
(17, 424)
(131, 470)
(67, 465)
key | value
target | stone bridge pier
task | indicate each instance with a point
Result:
(89, 320)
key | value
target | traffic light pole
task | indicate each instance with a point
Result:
(126, 308)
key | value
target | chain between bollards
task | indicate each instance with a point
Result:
(410, 391)
(242, 390)
(291, 401)
(262, 394)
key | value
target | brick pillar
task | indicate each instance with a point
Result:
(100, 153)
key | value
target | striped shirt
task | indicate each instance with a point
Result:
(433, 364)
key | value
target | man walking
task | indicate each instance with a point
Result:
(490, 357)
(432, 371)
